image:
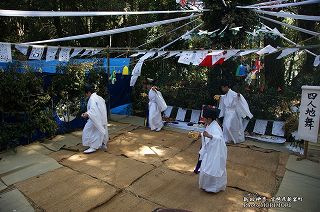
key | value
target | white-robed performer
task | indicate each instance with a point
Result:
(95, 133)
(154, 116)
(234, 108)
(213, 154)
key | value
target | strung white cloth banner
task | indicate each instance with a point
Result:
(186, 57)
(36, 53)
(133, 80)
(230, 53)
(171, 54)
(86, 52)
(282, 5)
(137, 54)
(277, 128)
(75, 52)
(22, 49)
(267, 50)
(286, 52)
(5, 52)
(51, 53)
(20, 13)
(316, 61)
(181, 115)
(291, 26)
(64, 54)
(199, 57)
(246, 52)
(160, 54)
(216, 52)
(115, 31)
(137, 69)
(260, 126)
(216, 58)
(289, 15)
(168, 111)
(195, 116)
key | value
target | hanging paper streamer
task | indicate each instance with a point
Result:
(51, 53)
(168, 111)
(195, 116)
(199, 57)
(186, 57)
(266, 50)
(75, 52)
(181, 114)
(86, 52)
(217, 57)
(316, 61)
(147, 56)
(277, 128)
(286, 52)
(171, 54)
(133, 80)
(22, 49)
(64, 54)
(36, 53)
(96, 51)
(137, 69)
(230, 53)
(260, 126)
(5, 52)
(137, 54)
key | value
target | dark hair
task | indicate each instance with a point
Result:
(88, 88)
(209, 112)
(225, 83)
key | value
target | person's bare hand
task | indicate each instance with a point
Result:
(206, 134)
(84, 115)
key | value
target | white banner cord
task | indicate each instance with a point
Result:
(281, 5)
(20, 13)
(289, 15)
(115, 31)
(291, 26)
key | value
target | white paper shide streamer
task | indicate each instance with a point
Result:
(266, 50)
(64, 54)
(75, 52)
(316, 61)
(86, 52)
(5, 52)
(51, 53)
(137, 69)
(22, 49)
(186, 57)
(286, 52)
(36, 53)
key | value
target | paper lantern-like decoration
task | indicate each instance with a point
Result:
(125, 70)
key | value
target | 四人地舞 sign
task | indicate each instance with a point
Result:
(309, 114)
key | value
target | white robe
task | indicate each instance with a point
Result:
(213, 153)
(234, 109)
(155, 118)
(95, 132)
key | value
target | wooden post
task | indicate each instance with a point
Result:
(305, 153)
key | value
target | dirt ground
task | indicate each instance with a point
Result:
(144, 170)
